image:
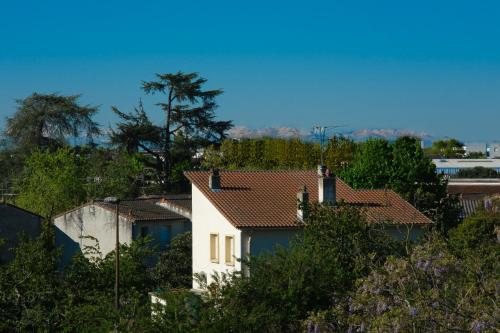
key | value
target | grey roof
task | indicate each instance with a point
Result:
(469, 206)
(142, 210)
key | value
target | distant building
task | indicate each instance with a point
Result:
(82, 226)
(494, 150)
(478, 147)
(451, 166)
(13, 222)
(473, 193)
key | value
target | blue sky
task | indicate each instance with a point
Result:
(430, 66)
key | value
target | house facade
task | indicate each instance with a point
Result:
(13, 222)
(237, 214)
(94, 224)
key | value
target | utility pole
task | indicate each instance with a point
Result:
(116, 201)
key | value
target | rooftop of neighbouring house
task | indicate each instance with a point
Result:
(143, 209)
(464, 163)
(474, 187)
(250, 199)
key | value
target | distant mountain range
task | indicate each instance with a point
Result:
(239, 132)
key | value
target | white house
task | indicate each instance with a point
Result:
(240, 213)
(77, 228)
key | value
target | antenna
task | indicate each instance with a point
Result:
(321, 133)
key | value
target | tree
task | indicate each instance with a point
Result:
(431, 290)
(46, 120)
(451, 148)
(174, 267)
(51, 182)
(112, 173)
(371, 167)
(189, 117)
(477, 172)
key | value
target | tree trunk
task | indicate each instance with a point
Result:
(167, 167)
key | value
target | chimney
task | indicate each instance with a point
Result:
(326, 186)
(214, 180)
(302, 203)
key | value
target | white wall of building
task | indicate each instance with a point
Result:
(90, 220)
(206, 219)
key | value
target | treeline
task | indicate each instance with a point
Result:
(276, 153)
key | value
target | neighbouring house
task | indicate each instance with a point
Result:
(236, 214)
(96, 221)
(15, 221)
(473, 193)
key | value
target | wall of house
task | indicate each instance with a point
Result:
(401, 232)
(265, 240)
(74, 228)
(161, 232)
(206, 219)
(14, 221)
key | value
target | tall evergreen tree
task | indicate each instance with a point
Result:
(189, 117)
(47, 120)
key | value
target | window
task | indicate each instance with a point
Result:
(229, 250)
(214, 248)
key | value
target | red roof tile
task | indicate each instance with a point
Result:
(269, 198)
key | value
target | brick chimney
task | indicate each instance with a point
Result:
(302, 203)
(214, 180)
(326, 186)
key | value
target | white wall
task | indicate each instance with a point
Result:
(206, 219)
(90, 220)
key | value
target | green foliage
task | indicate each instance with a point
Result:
(112, 173)
(403, 167)
(371, 167)
(46, 120)
(430, 291)
(189, 121)
(477, 233)
(477, 172)
(275, 153)
(476, 155)
(174, 267)
(451, 148)
(29, 287)
(51, 182)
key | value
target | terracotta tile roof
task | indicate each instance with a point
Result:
(268, 198)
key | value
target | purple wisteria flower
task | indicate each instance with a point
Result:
(413, 311)
(477, 326)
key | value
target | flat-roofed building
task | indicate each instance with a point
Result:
(451, 166)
